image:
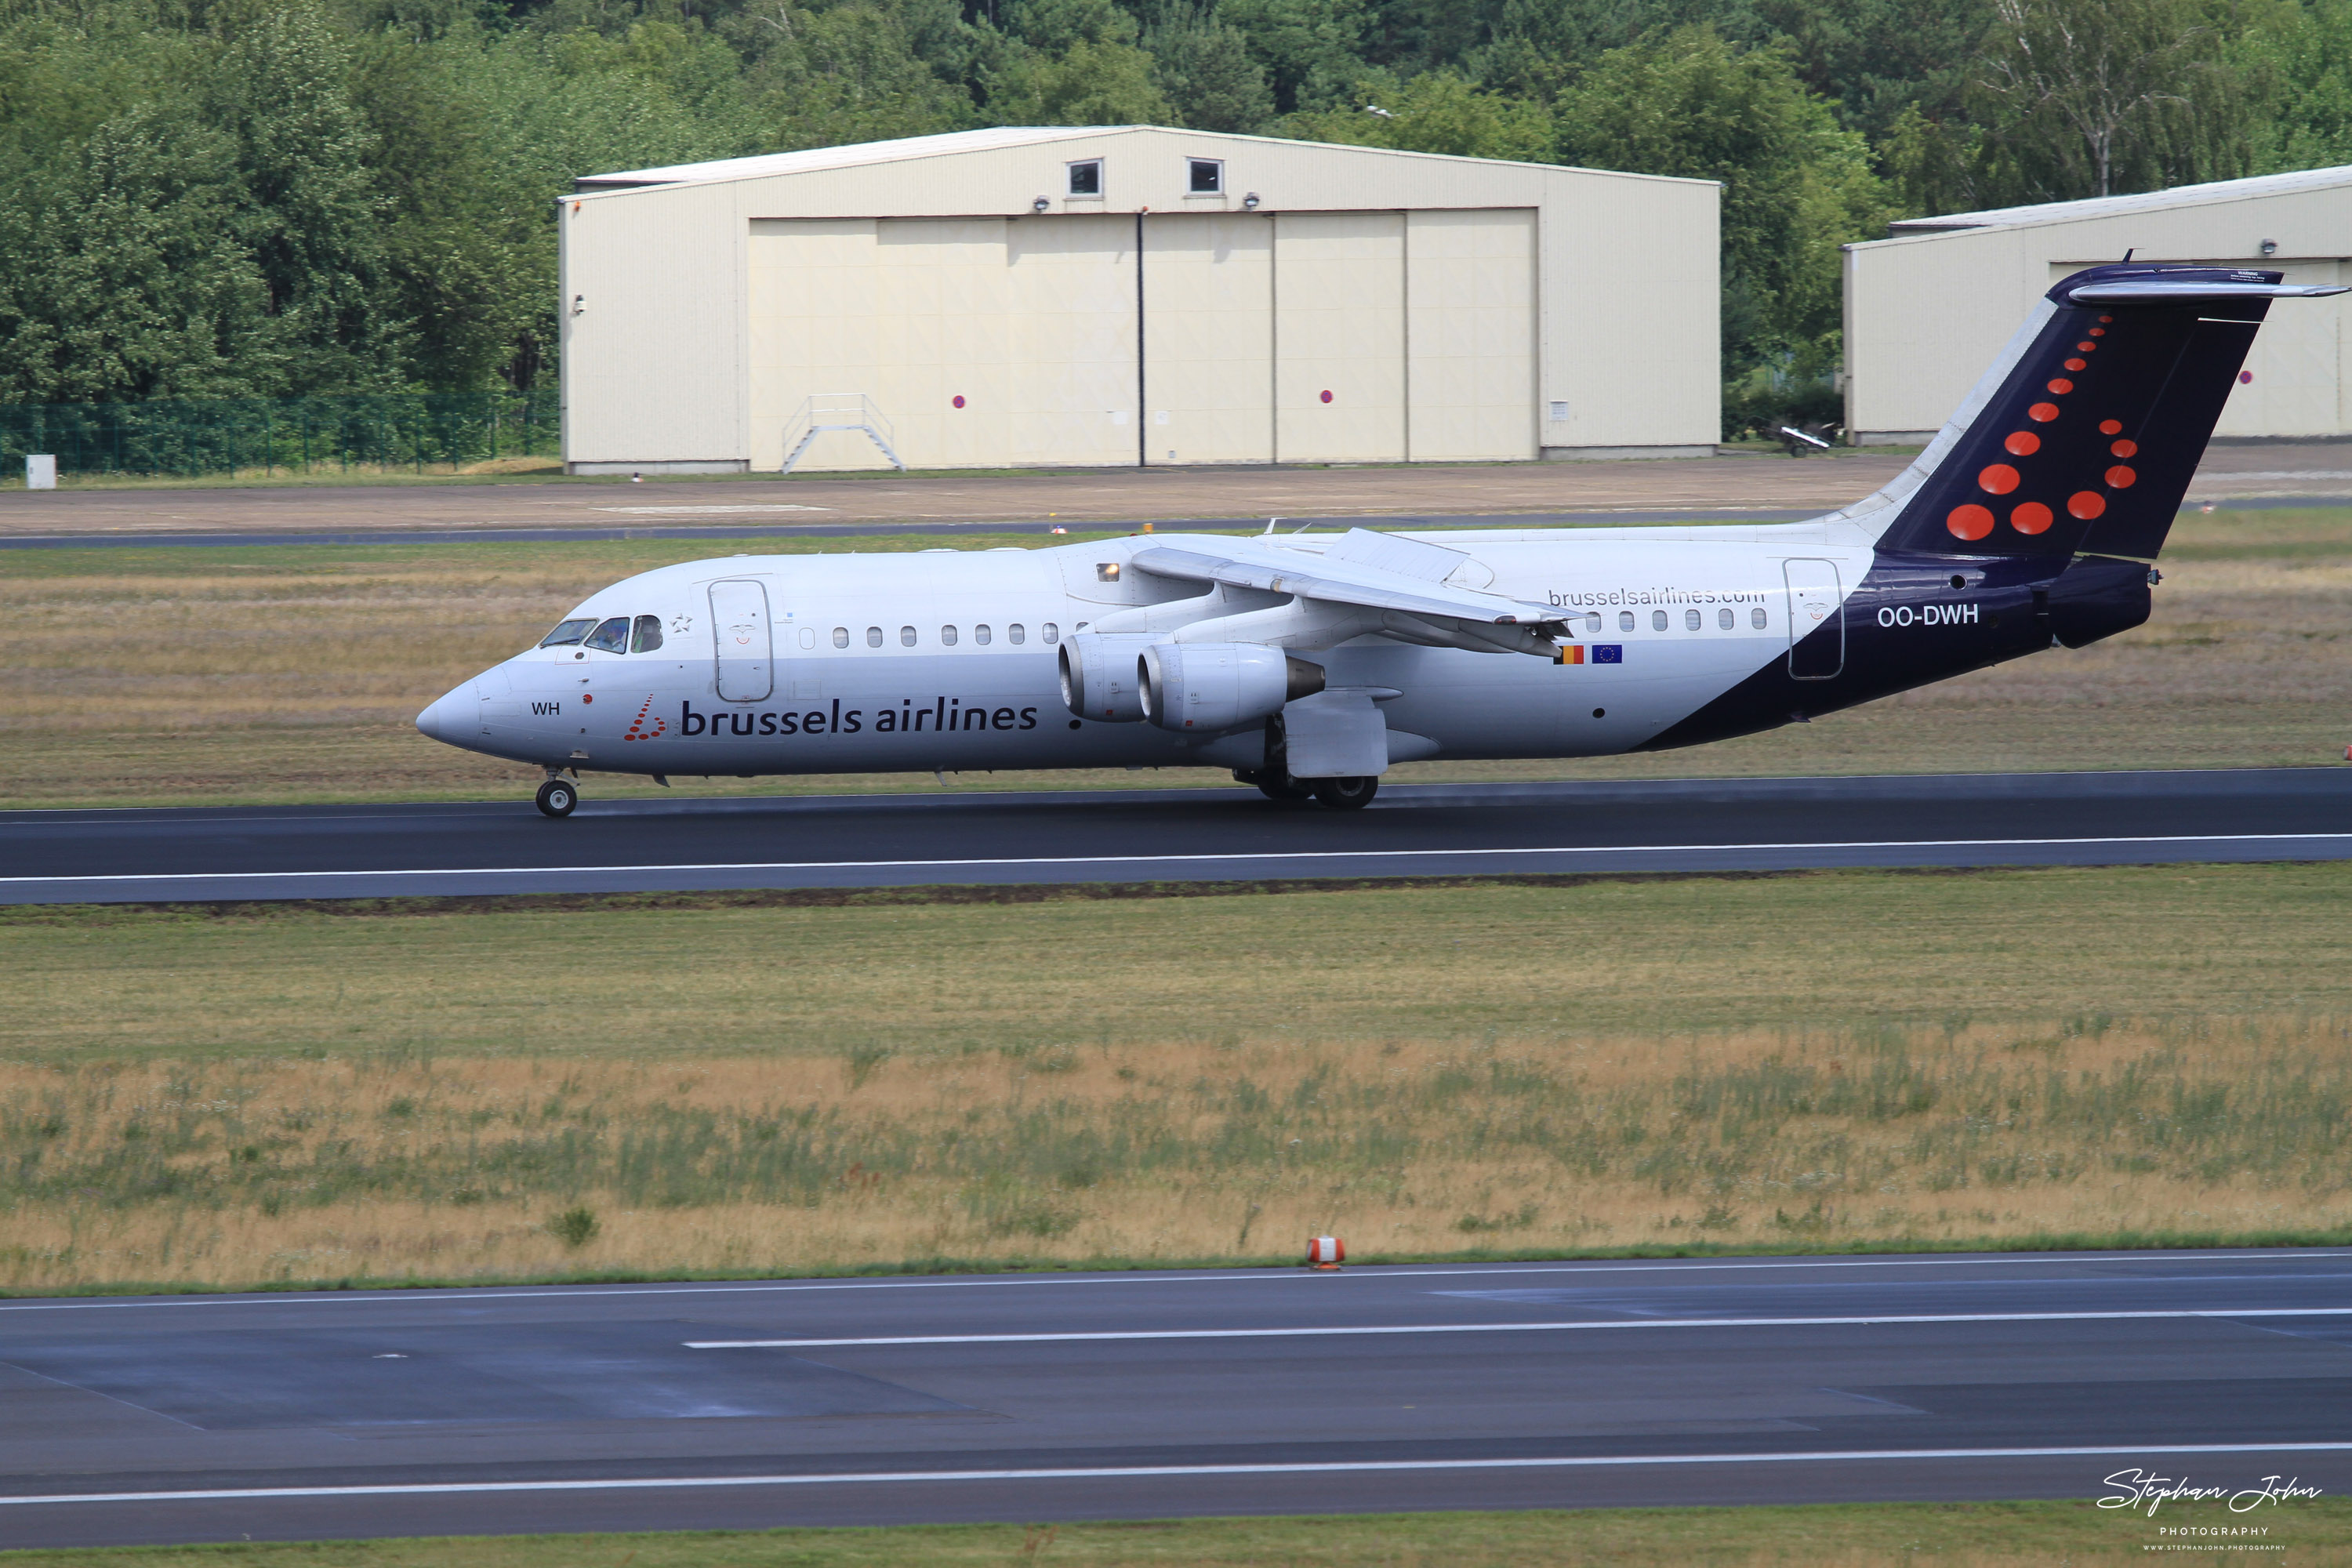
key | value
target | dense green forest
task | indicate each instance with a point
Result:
(270, 198)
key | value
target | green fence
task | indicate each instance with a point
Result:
(293, 435)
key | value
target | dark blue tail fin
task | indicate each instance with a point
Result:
(2085, 437)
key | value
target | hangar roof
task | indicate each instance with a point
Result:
(815, 160)
(2119, 206)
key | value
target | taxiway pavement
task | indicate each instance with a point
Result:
(1150, 1395)
(1179, 834)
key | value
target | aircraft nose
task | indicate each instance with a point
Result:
(439, 721)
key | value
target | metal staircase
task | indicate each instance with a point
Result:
(823, 411)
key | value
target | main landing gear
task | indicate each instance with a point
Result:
(558, 797)
(1337, 795)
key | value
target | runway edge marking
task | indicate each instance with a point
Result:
(1119, 1472)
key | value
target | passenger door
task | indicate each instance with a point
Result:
(739, 625)
(1816, 624)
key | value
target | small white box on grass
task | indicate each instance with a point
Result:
(40, 471)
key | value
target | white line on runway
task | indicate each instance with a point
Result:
(1118, 1472)
(394, 1297)
(1584, 849)
(1877, 1319)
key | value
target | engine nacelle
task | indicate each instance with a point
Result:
(1098, 675)
(1207, 687)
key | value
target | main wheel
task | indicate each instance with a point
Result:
(1274, 785)
(558, 797)
(1347, 795)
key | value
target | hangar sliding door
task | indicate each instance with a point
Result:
(1208, 357)
(1470, 347)
(1338, 337)
(978, 341)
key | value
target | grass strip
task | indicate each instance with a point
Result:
(263, 1096)
(1961, 1535)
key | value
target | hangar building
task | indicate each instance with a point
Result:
(1927, 309)
(1132, 295)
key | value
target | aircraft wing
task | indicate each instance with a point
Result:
(1373, 570)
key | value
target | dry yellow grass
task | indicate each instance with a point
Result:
(279, 673)
(731, 1086)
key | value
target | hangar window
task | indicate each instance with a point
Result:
(567, 634)
(874, 637)
(947, 636)
(1690, 620)
(647, 638)
(1017, 634)
(1208, 177)
(1723, 619)
(905, 636)
(1657, 620)
(980, 636)
(1086, 178)
(612, 637)
(1624, 620)
(1052, 633)
(1756, 617)
(841, 636)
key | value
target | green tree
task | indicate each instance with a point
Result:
(1795, 185)
(1312, 51)
(122, 277)
(310, 213)
(1438, 112)
(1204, 69)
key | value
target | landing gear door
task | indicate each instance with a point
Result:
(746, 656)
(1816, 622)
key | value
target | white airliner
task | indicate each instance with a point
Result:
(1308, 663)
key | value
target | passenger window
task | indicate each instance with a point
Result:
(980, 636)
(841, 636)
(907, 636)
(947, 636)
(1755, 618)
(612, 637)
(1690, 620)
(1053, 634)
(1657, 620)
(567, 634)
(1624, 620)
(1723, 620)
(647, 637)
(1592, 624)
(808, 636)
(874, 637)
(1016, 634)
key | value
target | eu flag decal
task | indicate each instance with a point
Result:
(1607, 653)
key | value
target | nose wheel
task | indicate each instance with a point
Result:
(557, 797)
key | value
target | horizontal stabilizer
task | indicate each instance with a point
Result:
(2180, 291)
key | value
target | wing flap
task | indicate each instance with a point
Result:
(1343, 581)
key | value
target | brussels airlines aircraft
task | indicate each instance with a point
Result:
(1307, 664)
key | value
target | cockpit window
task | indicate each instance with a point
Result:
(648, 634)
(612, 637)
(567, 634)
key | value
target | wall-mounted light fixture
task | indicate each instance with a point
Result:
(2270, 248)
(1040, 205)
(580, 304)
(1249, 202)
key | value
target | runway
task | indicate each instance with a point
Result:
(1062, 1396)
(1175, 835)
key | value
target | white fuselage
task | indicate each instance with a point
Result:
(946, 659)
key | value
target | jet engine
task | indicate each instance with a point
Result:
(1208, 686)
(1099, 676)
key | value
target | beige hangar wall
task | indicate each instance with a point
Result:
(1926, 313)
(1468, 311)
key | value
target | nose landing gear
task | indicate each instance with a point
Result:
(558, 797)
